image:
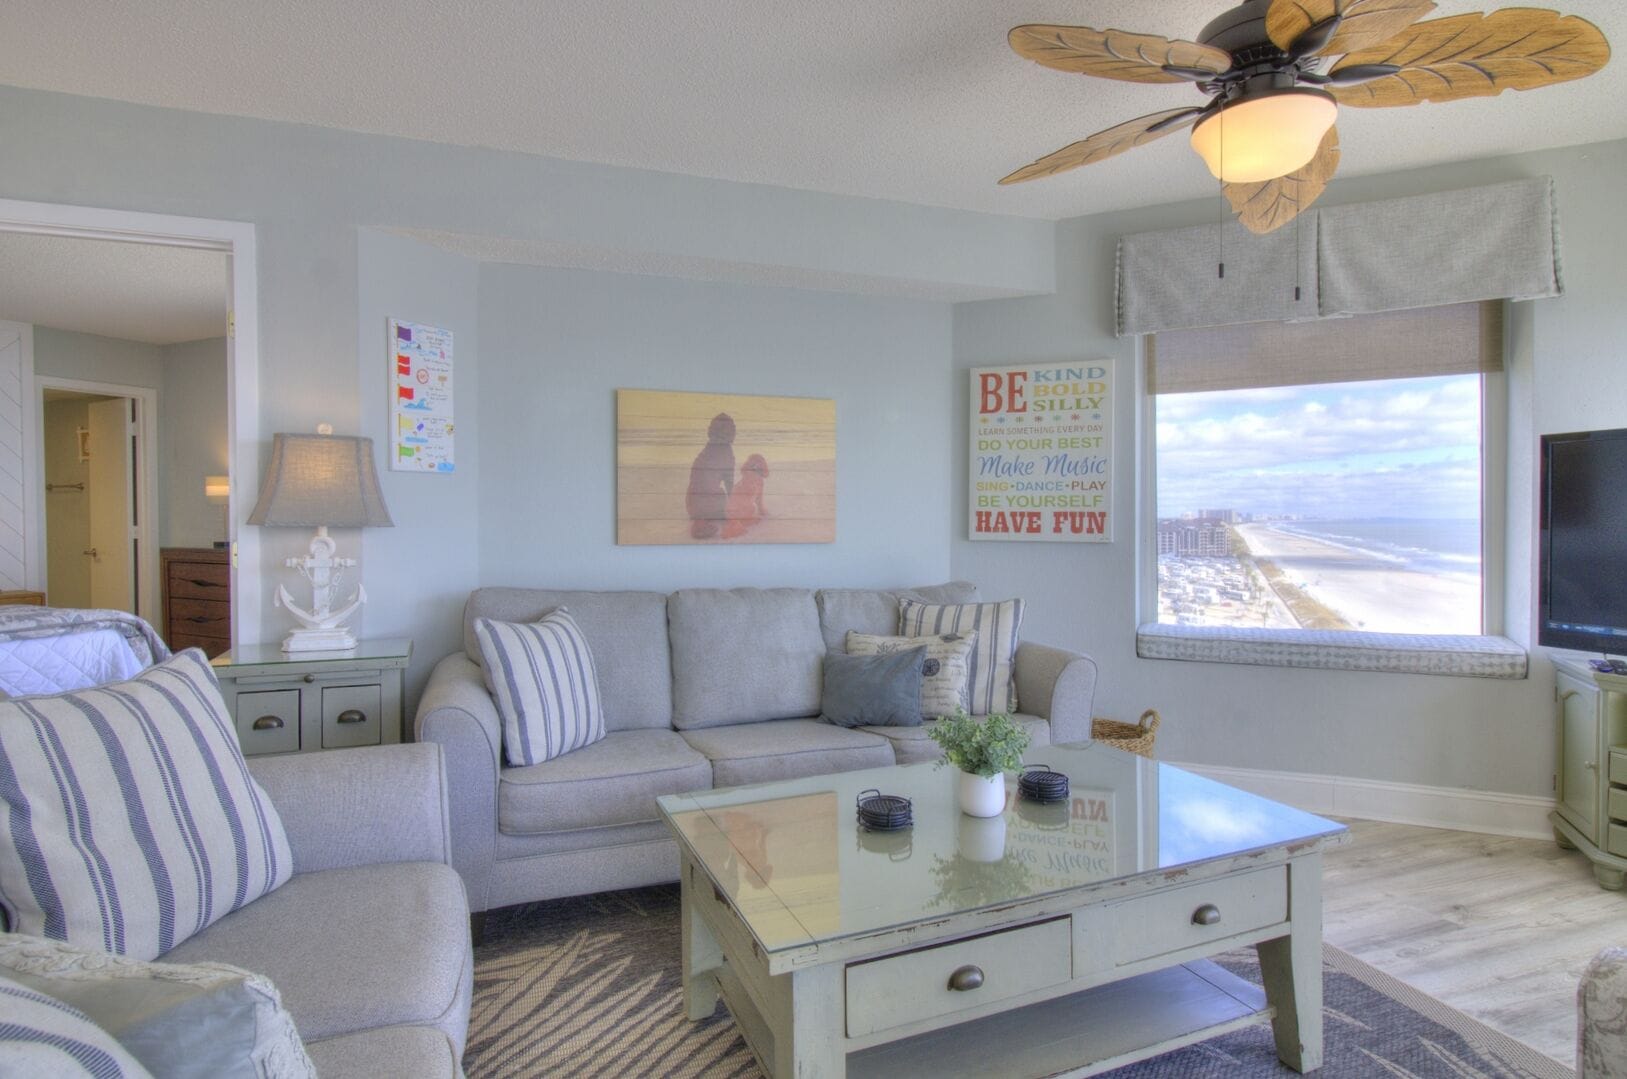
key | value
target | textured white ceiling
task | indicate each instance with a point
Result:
(919, 100)
(140, 292)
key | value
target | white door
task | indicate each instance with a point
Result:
(16, 442)
(111, 492)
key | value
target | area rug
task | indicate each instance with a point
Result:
(590, 987)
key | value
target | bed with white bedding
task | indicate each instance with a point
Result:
(58, 649)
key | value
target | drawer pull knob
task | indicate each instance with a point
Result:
(268, 723)
(352, 715)
(310, 678)
(1208, 914)
(966, 979)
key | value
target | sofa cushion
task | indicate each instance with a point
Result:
(913, 744)
(45, 1037)
(945, 674)
(993, 685)
(875, 610)
(880, 689)
(176, 1019)
(342, 961)
(128, 818)
(743, 655)
(421, 1052)
(627, 632)
(545, 683)
(615, 781)
(788, 749)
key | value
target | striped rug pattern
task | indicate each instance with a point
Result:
(589, 987)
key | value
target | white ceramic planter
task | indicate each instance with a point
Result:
(982, 796)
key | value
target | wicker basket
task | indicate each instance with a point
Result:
(1132, 737)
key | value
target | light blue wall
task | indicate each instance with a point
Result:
(1453, 732)
(556, 344)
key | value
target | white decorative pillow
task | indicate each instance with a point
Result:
(128, 817)
(44, 1038)
(944, 677)
(993, 685)
(546, 686)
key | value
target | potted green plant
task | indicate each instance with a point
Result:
(983, 751)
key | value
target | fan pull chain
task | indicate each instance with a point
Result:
(1220, 245)
(1296, 258)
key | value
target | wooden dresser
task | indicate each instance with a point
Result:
(197, 585)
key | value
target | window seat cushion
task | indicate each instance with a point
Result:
(1336, 650)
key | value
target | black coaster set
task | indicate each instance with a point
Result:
(884, 812)
(1039, 783)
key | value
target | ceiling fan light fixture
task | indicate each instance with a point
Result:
(1263, 136)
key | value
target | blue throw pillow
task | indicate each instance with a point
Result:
(873, 691)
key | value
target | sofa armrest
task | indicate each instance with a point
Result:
(458, 714)
(1058, 685)
(1601, 1028)
(360, 806)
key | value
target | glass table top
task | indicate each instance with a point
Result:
(800, 869)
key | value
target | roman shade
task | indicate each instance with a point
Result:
(1452, 247)
(1457, 339)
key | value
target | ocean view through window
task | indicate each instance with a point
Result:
(1341, 506)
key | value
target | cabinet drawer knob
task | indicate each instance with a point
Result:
(352, 715)
(268, 723)
(1208, 914)
(310, 678)
(966, 979)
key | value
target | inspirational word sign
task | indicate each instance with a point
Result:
(1042, 452)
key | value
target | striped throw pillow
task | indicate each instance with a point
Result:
(547, 688)
(128, 818)
(41, 1035)
(992, 686)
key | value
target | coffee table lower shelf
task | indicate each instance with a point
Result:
(1083, 1034)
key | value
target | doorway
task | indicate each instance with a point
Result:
(96, 447)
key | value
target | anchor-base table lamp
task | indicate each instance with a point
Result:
(321, 481)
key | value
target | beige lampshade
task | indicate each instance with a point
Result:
(317, 480)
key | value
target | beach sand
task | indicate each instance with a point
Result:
(1370, 593)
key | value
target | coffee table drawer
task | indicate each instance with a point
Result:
(887, 993)
(1198, 913)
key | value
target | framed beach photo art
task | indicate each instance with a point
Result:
(708, 468)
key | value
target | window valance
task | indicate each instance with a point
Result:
(1484, 243)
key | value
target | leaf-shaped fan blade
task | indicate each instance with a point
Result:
(1114, 54)
(1477, 56)
(1365, 24)
(1266, 207)
(1106, 144)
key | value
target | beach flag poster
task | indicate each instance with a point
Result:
(707, 468)
(1041, 442)
(420, 398)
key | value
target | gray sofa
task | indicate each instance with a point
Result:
(368, 943)
(702, 688)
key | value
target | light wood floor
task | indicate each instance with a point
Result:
(1498, 928)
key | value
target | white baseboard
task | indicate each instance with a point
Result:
(1397, 803)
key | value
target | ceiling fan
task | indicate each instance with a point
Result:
(1267, 130)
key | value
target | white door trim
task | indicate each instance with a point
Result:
(33, 571)
(147, 507)
(237, 240)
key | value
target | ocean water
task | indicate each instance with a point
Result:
(1427, 545)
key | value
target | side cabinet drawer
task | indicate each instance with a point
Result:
(900, 989)
(1165, 922)
(1618, 840)
(1618, 766)
(1618, 803)
(350, 716)
(268, 721)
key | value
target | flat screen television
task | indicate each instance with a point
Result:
(1583, 587)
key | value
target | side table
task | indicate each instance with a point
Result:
(303, 702)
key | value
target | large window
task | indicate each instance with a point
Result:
(1336, 488)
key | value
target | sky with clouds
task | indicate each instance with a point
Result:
(1344, 451)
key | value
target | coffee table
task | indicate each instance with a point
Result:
(1061, 939)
